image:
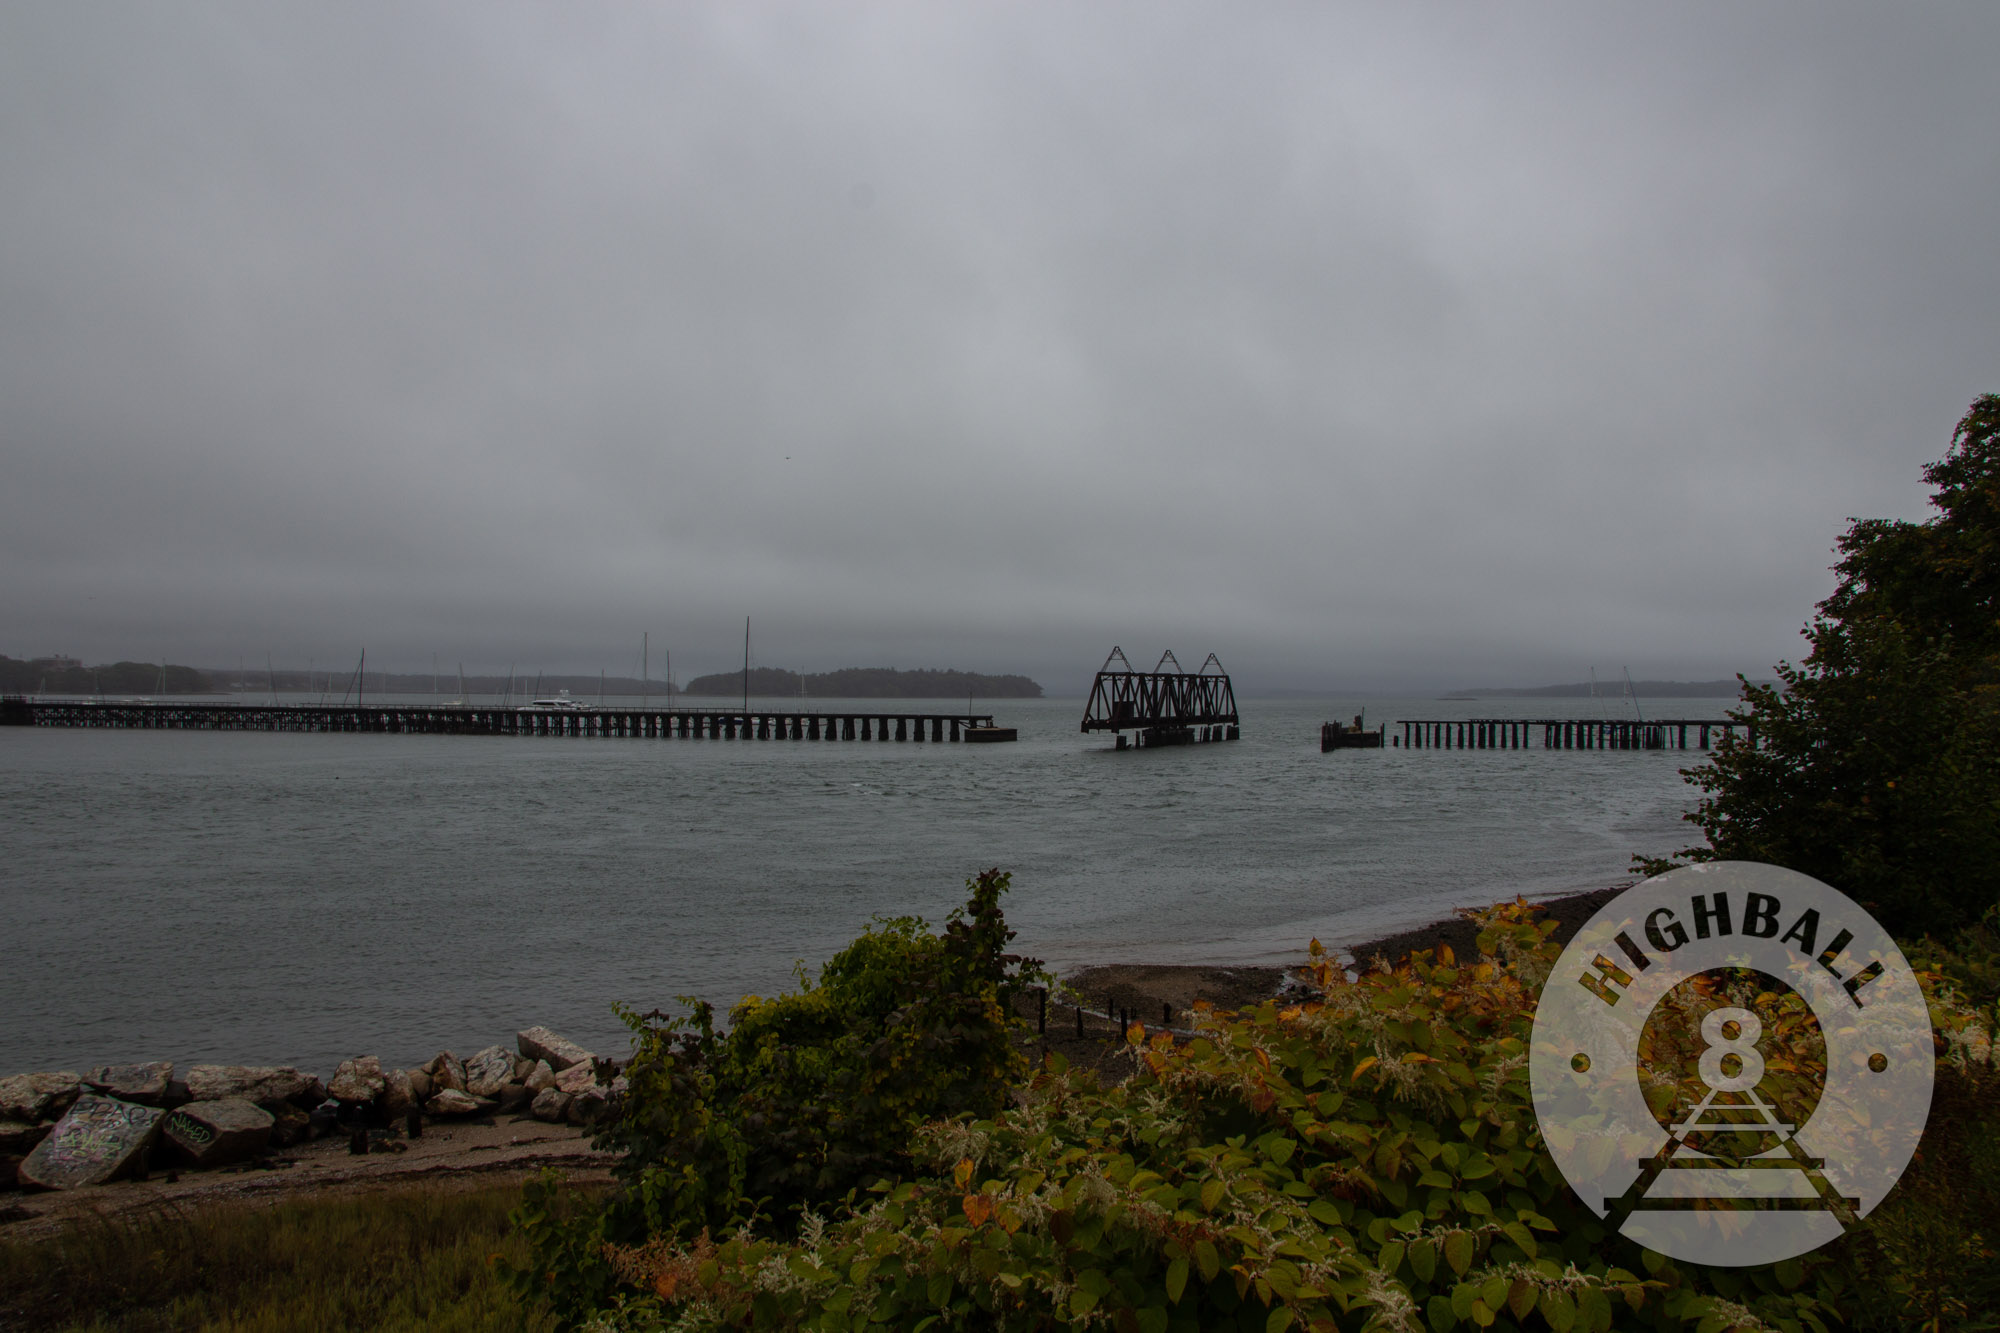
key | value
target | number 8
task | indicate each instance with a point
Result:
(1743, 1046)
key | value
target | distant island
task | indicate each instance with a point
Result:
(866, 683)
(70, 676)
(1615, 689)
(67, 675)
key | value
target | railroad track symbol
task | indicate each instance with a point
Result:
(1732, 1063)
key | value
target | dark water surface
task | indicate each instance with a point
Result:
(303, 898)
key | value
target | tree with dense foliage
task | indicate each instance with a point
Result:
(1876, 763)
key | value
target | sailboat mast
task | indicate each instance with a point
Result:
(645, 683)
(746, 665)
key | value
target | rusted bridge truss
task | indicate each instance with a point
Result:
(1164, 707)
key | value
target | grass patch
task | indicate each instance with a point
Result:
(416, 1258)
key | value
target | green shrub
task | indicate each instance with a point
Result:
(1365, 1160)
(805, 1099)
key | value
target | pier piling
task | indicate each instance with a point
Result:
(1569, 733)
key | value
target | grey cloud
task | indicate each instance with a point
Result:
(1365, 347)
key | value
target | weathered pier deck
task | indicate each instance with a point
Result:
(1566, 733)
(611, 720)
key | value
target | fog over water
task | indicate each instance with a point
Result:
(1373, 348)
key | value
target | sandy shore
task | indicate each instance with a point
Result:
(1155, 993)
(1570, 911)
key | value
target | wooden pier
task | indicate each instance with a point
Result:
(495, 720)
(1566, 733)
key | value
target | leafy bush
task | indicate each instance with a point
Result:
(805, 1099)
(1366, 1159)
(1877, 766)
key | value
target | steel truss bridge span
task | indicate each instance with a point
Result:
(1163, 707)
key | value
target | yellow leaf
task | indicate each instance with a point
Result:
(1363, 1068)
(977, 1209)
(963, 1172)
(1445, 956)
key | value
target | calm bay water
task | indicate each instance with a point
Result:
(299, 899)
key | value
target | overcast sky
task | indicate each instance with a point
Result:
(1368, 347)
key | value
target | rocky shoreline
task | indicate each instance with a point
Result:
(62, 1130)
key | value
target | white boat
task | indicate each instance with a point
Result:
(560, 699)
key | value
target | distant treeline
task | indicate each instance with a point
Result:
(519, 687)
(67, 676)
(61, 675)
(1615, 689)
(867, 683)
